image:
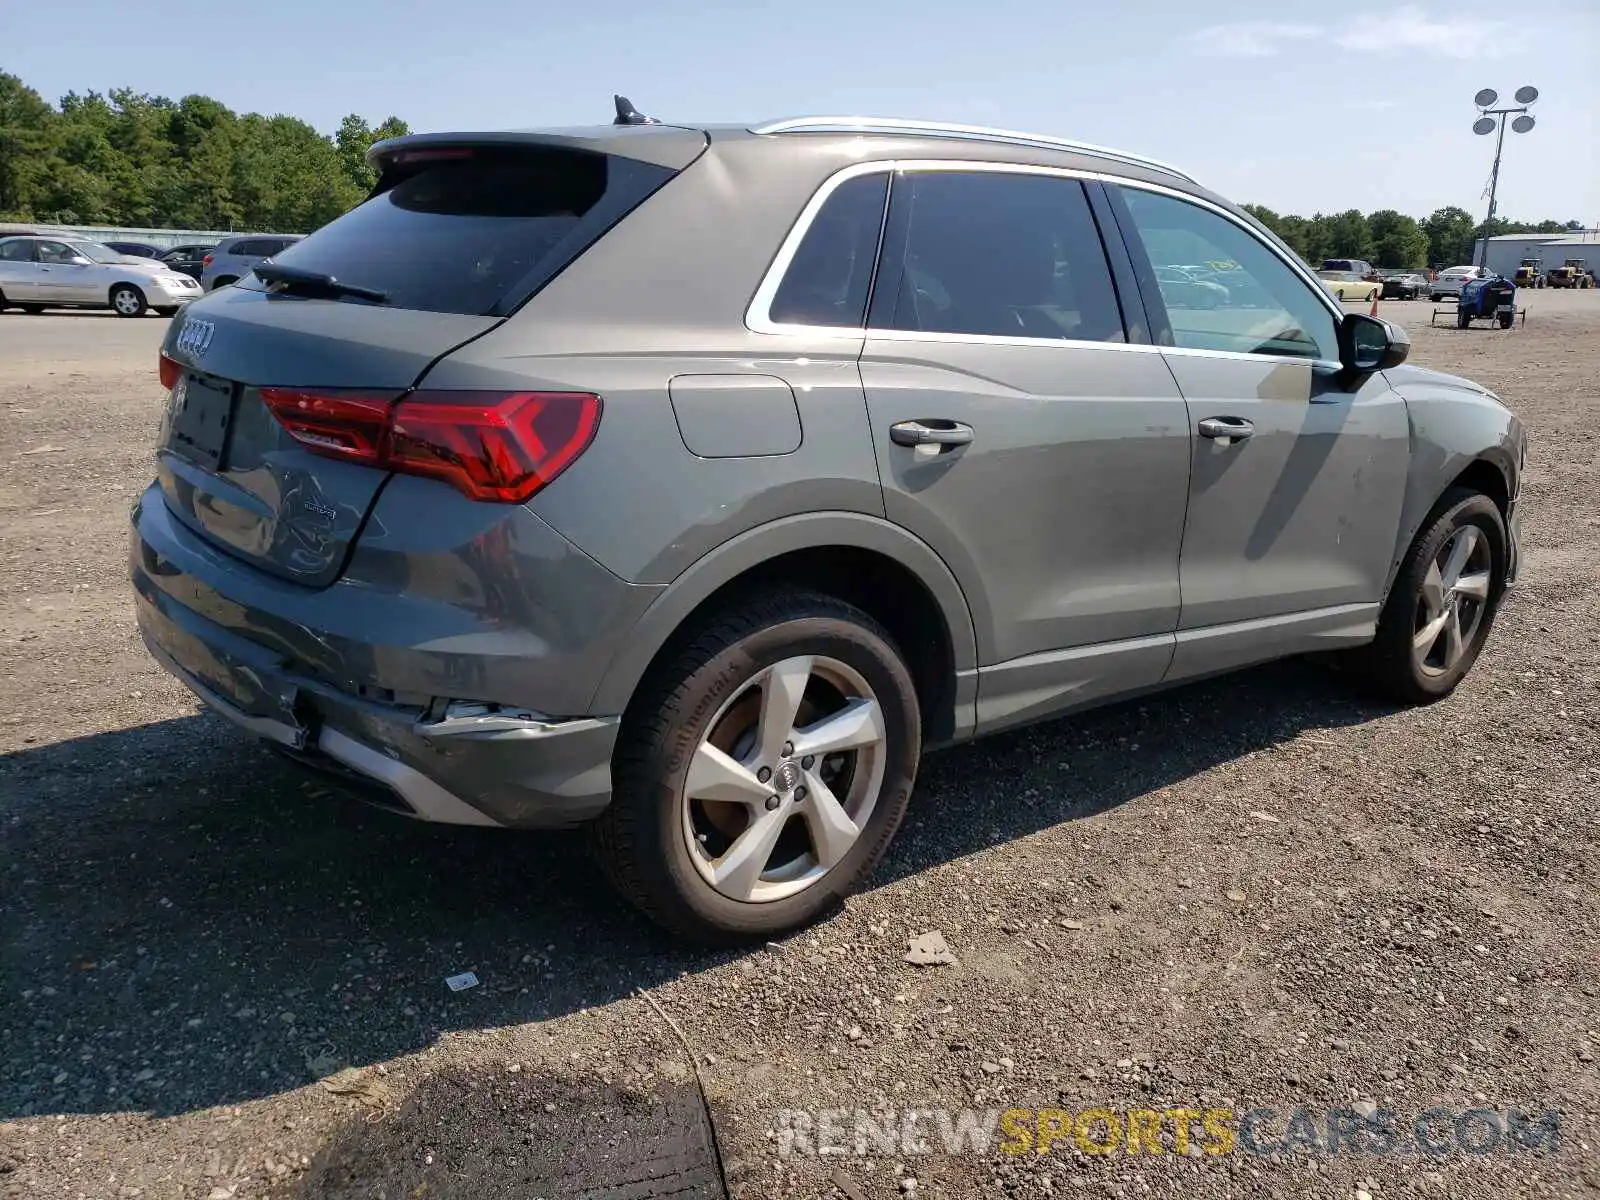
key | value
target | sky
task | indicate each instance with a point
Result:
(1301, 107)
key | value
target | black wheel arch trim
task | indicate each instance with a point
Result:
(755, 547)
(1457, 472)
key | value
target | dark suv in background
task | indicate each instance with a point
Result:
(688, 483)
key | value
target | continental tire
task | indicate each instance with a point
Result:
(761, 769)
(1443, 602)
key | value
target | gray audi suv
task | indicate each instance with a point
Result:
(686, 484)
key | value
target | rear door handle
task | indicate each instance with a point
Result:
(1226, 429)
(931, 432)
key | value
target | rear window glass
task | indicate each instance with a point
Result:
(478, 233)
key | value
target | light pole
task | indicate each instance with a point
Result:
(1490, 120)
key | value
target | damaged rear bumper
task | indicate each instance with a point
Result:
(446, 762)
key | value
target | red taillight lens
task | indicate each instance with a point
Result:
(347, 425)
(504, 447)
(206, 261)
(492, 446)
(170, 369)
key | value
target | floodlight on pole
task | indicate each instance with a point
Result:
(1490, 120)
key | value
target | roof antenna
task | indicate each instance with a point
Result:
(627, 114)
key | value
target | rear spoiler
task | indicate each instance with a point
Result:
(671, 146)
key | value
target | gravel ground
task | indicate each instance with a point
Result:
(219, 980)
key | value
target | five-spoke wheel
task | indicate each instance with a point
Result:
(1442, 602)
(762, 770)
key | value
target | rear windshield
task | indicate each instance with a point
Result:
(476, 231)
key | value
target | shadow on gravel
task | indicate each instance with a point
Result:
(189, 921)
(486, 1136)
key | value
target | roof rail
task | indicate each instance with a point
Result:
(980, 133)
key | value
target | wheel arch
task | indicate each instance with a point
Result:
(863, 560)
(121, 283)
(1492, 472)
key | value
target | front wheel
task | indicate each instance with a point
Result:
(1443, 602)
(128, 301)
(761, 772)
(1463, 319)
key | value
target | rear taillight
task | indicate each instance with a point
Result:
(497, 446)
(206, 261)
(170, 369)
(347, 425)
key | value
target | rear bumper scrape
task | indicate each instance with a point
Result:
(504, 769)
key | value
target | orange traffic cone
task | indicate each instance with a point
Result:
(1374, 304)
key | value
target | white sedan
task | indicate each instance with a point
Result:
(40, 272)
(1453, 279)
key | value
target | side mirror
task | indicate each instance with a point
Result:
(1368, 344)
(78, 260)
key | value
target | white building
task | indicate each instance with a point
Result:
(1507, 251)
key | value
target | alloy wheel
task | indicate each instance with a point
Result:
(784, 779)
(1452, 601)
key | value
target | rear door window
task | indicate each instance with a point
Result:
(18, 251)
(995, 254)
(476, 230)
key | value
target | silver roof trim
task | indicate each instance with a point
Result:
(977, 133)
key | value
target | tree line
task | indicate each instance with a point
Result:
(1387, 238)
(129, 159)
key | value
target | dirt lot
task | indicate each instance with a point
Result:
(1264, 891)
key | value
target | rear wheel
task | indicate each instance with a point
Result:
(1505, 320)
(1463, 318)
(33, 310)
(166, 312)
(128, 301)
(1443, 602)
(761, 772)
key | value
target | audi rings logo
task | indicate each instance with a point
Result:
(194, 339)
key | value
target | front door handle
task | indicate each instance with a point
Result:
(931, 432)
(1226, 430)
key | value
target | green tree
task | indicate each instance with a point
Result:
(1295, 231)
(125, 158)
(1397, 240)
(1450, 237)
(27, 129)
(1349, 236)
(354, 138)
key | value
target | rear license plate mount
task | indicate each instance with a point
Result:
(200, 412)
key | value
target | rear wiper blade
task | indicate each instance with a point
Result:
(313, 283)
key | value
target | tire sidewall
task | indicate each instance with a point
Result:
(1475, 509)
(698, 700)
(139, 295)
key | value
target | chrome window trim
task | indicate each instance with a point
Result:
(980, 133)
(757, 315)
